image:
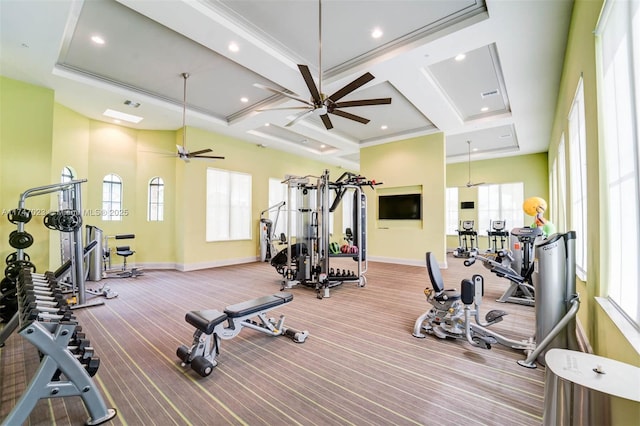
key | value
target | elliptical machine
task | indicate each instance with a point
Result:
(453, 316)
(467, 238)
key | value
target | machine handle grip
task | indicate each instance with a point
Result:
(124, 236)
(470, 261)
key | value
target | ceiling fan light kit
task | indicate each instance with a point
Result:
(322, 105)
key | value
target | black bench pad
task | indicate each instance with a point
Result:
(205, 321)
(257, 305)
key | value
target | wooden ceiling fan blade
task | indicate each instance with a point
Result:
(215, 157)
(280, 109)
(360, 81)
(363, 102)
(326, 121)
(299, 117)
(311, 85)
(350, 116)
(202, 151)
(280, 92)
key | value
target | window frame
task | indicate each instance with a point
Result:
(452, 212)
(112, 209)
(617, 40)
(578, 178)
(515, 208)
(157, 206)
(230, 220)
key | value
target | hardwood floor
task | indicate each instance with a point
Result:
(360, 365)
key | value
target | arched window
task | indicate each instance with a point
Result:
(112, 198)
(67, 174)
(156, 200)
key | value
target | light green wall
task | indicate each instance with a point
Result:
(580, 61)
(39, 138)
(410, 163)
(531, 169)
(261, 163)
(26, 126)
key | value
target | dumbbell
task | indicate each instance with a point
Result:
(91, 365)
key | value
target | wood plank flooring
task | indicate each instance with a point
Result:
(360, 365)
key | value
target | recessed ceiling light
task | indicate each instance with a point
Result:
(323, 146)
(384, 127)
(484, 109)
(376, 33)
(122, 116)
(474, 149)
(97, 39)
(244, 100)
(233, 47)
(460, 57)
(267, 124)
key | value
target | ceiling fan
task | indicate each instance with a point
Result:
(183, 153)
(469, 183)
(323, 105)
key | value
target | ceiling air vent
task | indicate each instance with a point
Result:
(489, 93)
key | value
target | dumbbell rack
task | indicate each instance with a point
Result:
(67, 358)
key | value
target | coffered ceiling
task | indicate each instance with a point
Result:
(501, 96)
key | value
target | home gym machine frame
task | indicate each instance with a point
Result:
(77, 271)
(267, 232)
(75, 265)
(452, 316)
(308, 260)
(101, 263)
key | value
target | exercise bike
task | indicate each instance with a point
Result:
(452, 314)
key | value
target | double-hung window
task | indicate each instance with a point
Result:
(618, 79)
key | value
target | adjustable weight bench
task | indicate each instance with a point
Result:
(211, 327)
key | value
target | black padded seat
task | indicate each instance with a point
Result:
(437, 282)
(205, 321)
(256, 305)
(280, 259)
(124, 251)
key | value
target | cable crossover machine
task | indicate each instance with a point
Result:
(308, 260)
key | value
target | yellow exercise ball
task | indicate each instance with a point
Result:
(534, 205)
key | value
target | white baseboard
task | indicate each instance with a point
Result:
(216, 264)
(409, 262)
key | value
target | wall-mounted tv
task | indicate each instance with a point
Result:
(400, 207)
(467, 205)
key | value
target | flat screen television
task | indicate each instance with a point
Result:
(400, 207)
